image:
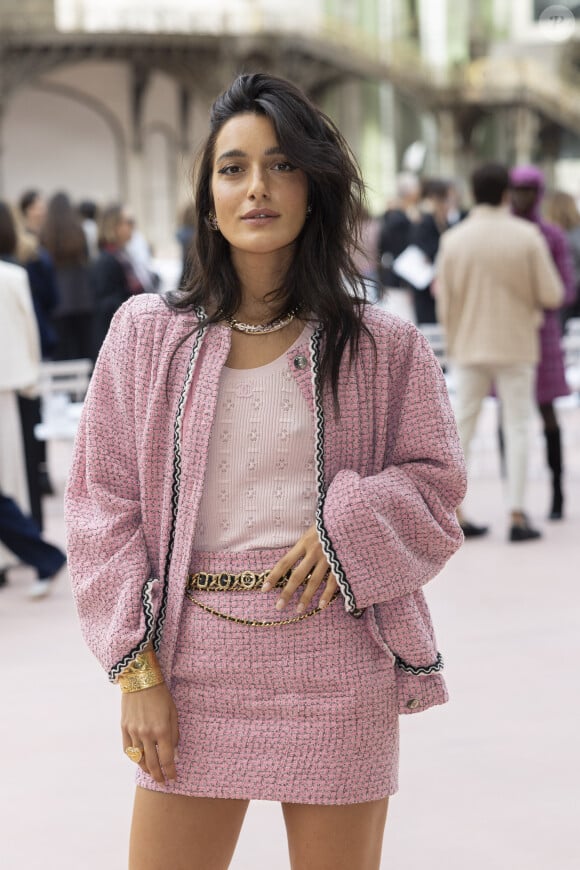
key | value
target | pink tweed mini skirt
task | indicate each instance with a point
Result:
(301, 713)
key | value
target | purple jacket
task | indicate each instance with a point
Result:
(390, 475)
(551, 377)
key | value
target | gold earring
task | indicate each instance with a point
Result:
(213, 221)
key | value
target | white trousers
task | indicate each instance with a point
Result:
(514, 385)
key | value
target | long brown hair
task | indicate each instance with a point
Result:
(62, 234)
(8, 237)
(322, 278)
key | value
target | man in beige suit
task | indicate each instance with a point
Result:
(494, 277)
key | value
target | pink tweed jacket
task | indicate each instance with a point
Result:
(389, 467)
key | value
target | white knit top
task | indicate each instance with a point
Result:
(260, 485)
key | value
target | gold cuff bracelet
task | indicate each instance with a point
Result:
(143, 673)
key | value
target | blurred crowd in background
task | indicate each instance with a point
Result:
(422, 210)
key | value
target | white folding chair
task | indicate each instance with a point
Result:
(62, 387)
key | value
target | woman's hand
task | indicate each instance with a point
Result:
(313, 562)
(149, 721)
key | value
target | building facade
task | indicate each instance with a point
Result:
(108, 99)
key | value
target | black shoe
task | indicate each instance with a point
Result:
(524, 532)
(472, 531)
(3, 578)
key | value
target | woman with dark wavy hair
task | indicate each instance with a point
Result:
(266, 474)
(63, 237)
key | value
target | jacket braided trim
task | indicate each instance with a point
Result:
(147, 599)
(337, 569)
(435, 668)
(176, 481)
(154, 629)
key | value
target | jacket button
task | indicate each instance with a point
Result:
(300, 362)
(413, 703)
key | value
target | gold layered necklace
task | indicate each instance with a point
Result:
(263, 328)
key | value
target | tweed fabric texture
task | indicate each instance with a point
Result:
(392, 476)
(305, 713)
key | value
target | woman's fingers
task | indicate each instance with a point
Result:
(160, 761)
(313, 567)
(158, 758)
(282, 567)
(152, 761)
(136, 744)
(329, 592)
(319, 575)
(317, 578)
(174, 733)
(166, 756)
(149, 722)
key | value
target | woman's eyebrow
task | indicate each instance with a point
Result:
(236, 152)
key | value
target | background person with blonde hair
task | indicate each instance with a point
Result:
(560, 208)
(112, 274)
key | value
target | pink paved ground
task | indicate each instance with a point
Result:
(488, 782)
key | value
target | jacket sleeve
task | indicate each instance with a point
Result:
(395, 530)
(107, 553)
(549, 290)
(563, 259)
(444, 283)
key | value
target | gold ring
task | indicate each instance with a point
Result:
(134, 753)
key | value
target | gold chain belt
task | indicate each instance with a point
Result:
(246, 581)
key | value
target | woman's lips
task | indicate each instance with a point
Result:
(260, 219)
(260, 216)
(260, 212)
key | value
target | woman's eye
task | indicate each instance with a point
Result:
(284, 166)
(229, 170)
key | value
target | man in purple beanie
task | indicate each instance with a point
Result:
(526, 192)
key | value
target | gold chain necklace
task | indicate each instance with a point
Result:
(262, 328)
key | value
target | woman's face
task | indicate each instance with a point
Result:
(124, 229)
(36, 215)
(259, 198)
(523, 199)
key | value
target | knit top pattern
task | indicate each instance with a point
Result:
(260, 485)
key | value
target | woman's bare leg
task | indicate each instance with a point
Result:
(183, 833)
(336, 837)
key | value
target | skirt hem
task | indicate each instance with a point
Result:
(267, 796)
